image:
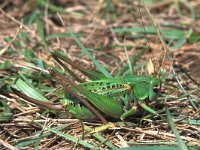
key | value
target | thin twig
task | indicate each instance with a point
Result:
(15, 20)
(11, 41)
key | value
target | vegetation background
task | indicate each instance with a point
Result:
(154, 37)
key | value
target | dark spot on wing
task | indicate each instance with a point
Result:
(108, 87)
(103, 88)
(100, 83)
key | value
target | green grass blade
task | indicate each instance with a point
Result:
(40, 27)
(98, 65)
(51, 7)
(160, 147)
(6, 65)
(133, 61)
(179, 83)
(100, 138)
(5, 112)
(129, 62)
(174, 34)
(192, 122)
(179, 44)
(29, 91)
(34, 137)
(181, 143)
(61, 35)
(67, 137)
(56, 9)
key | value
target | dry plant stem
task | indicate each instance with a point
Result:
(27, 112)
(42, 121)
(107, 138)
(166, 50)
(13, 19)
(66, 68)
(42, 131)
(63, 80)
(187, 74)
(7, 145)
(160, 134)
(37, 102)
(26, 122)
(96, 10)
(9, 44)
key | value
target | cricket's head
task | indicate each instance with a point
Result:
(144, 86)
